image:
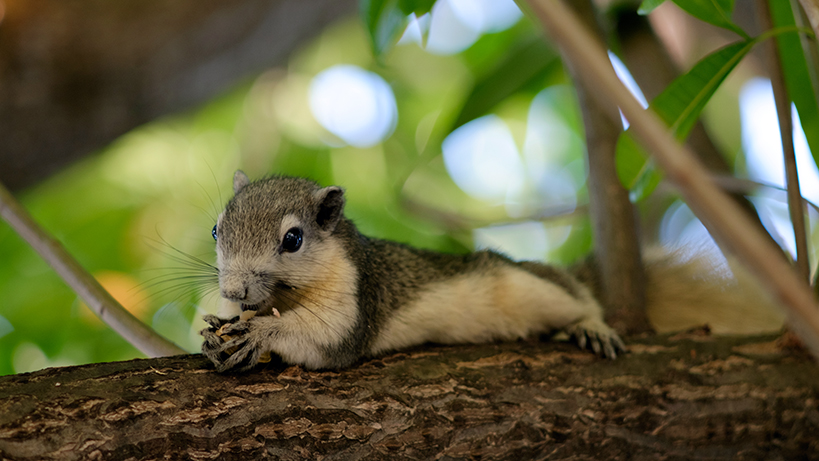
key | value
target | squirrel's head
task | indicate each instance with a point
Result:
(273, 235)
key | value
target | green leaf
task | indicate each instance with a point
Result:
(679, 105)
(524, 65)
(633, 163)
(648, 6)
(681, 102)
(384, 21)
(419, 7)
(716, 12)
(799, 81)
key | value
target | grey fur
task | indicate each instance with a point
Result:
(389, 275)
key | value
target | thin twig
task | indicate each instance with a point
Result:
(783, 111)
(734, 185)
(720, 215)
(98, 300)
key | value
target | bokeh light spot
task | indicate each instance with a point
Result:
(483, 160)
(456, 24)
(356, 105)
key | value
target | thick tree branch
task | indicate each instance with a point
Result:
(689, 397)
(108, 309)
(719, 214)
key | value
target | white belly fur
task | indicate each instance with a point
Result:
(319, 315)
(506, 305)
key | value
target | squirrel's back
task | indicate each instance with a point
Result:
(326, 295)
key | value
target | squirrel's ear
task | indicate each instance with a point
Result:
(239, 181)
(330, 206)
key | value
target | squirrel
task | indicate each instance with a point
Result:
(301, 282)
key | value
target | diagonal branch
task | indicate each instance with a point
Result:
(98, 300)
(653, 70)
(719, 214)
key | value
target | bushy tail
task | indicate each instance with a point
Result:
(685, 291)
(691, 289)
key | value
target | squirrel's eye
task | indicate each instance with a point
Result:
(292, 240)
(213, 232)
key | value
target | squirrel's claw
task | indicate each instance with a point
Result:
(217, 322)
(603, 340)
(229, 346)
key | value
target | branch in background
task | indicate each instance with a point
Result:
(98, 300)
(732, 184)
(74, 76)
(454, 222)
(718, 212)
(811, 8)
(783, 111)
(652, 68)
(614, 219)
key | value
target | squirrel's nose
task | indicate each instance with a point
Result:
(233, 288)
(235, 295)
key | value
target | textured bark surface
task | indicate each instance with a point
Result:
(74, 75)
(685, 397)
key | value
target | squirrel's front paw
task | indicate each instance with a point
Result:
(231, 344)
(602, 339)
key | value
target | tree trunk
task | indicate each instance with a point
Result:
(74, 75)
(614, 219)
(690, 396)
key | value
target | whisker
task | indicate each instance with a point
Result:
(182, 257)
(301, 294)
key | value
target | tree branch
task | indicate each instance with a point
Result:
(719, 214)
(811, 8)
(783, 111)
(653, 70)
(686, 397)
(614, 220)
(108, 309)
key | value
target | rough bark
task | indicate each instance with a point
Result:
(614, 219)
(75, 75)
(685, 397)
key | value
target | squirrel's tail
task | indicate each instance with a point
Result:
(684, 291)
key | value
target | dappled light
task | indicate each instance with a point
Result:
(483, 160)
(456, 24)
(764, 163)
(353, 104)
(628, 80)
(763, 146)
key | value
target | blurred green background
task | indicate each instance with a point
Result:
(125, 211)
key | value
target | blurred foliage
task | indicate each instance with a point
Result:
(128, 211)
(679, 106)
